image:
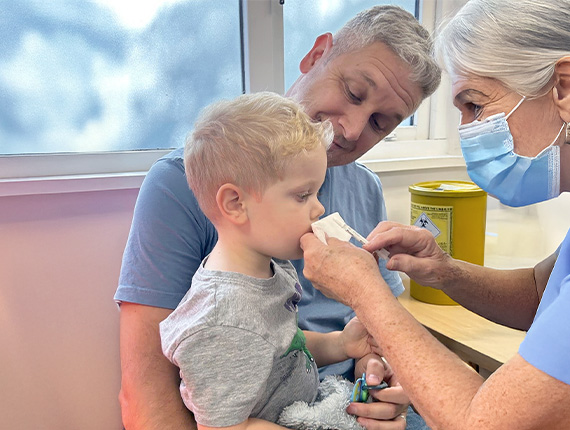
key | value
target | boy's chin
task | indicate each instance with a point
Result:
(293, 255)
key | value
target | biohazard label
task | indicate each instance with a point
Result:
(424, 221)
(437, 220)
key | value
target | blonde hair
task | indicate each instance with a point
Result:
(248, 141)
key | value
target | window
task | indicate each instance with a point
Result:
(106, 75)
(104, 87)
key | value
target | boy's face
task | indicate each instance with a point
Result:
(288, 207)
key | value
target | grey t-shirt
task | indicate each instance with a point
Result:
(240, 352)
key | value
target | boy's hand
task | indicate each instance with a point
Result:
(355, 340)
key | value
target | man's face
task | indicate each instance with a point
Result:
(365, 94)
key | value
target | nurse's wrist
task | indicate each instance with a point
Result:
(456, 273)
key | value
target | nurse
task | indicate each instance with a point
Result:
(509, 61)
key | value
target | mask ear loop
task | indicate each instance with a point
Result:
(515, 108)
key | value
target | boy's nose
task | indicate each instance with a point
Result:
(318, 211)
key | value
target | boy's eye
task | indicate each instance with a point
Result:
(303, 196)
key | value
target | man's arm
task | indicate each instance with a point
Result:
(150, 396)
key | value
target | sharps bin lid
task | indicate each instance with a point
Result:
(446, 189)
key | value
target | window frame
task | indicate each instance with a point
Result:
(432, 139)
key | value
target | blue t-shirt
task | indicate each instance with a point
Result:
(547, 343)
(170, 236)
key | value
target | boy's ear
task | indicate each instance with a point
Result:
(322, 45)
(230, 200)
(562, 87)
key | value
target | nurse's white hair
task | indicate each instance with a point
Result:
(401, 32)
(517, 42)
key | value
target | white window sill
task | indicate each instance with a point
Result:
(414, 163)
(133, 180)
(70, 184)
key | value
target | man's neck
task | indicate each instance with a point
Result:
(233, 256)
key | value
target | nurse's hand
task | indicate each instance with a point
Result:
(414, 251)
(340, 270)
(388, 409)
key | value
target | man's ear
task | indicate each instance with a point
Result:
(230, 200)
(322, 45)
(562, 87)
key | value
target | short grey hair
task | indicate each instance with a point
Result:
(401, 32)
(517, 42)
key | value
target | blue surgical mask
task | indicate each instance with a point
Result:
(514, 179)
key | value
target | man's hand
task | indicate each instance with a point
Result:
(388, 409)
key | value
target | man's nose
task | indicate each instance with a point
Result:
(353, 124)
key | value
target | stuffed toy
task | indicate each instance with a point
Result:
(328, 412)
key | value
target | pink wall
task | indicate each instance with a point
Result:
(60, 258)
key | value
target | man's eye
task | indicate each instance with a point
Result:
(376, 125)
(351, 96)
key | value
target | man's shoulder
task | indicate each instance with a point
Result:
(174, 160)
(354, 170)
(354, 176)
(168, 170)
(176, 155)
(166, 179)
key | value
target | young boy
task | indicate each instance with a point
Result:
(255, 165)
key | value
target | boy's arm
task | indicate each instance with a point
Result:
(150, 396)
(325, 347)
(337, 346)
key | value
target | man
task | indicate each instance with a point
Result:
(366, 79)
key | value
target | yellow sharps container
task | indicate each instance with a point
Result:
(455, 213)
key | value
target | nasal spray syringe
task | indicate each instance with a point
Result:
(334, 226)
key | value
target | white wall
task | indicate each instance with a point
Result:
(59, 263)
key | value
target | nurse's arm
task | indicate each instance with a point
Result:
(448, 393)
(542, 272)
(508, 297)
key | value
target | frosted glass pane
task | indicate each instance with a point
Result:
(107, 75)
